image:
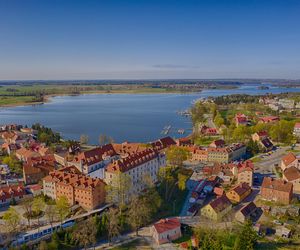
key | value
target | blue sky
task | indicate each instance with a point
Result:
(60, 39)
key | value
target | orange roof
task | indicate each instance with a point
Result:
(166, 225)
(291, 174)
(24, 152)
(276, 184)
(289, 158)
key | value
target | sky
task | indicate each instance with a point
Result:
(149, 39)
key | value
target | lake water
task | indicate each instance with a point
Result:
(124, 117)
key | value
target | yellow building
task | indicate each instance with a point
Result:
(239, 192)
(217, 209)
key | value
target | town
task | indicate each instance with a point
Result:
(237, 171)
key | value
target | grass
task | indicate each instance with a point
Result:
(135, 244)
(15, 100)
(256, 159)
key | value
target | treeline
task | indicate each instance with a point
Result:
(238, 98)
(46, 135)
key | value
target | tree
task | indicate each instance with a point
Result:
(119, 191)
(103, 139)
(282, 131)
(43, 245)
(63, 208)
(38, 206)
(113, 226)
(85, 233)
(219, 121)
(139, 213)
(50, 213)
(167, 177)
(27, 204)
(177, 155)
(14, 164)
(11, 219)
(182, 181)
(247, 237)
(253, 147)
(84, 139)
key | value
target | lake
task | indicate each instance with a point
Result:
(124, 117)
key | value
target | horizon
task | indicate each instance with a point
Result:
(149, 40)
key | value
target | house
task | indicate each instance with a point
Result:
(277, 190)
(240, 119)
(283, 232)
(24, 154)
(35, 189)
(269, 119)
(217, 209)
(292, 175)
(219, 191)
(80, 189)
(217, 143)
(185, 141)
(166, 230)
(289, 160)
(296, 131)
(10, 148)
(8, 193)
(245, 172)
(208, 131)
(36, 168)
(199, 154)
(266, 144)
(163, 143)
(135, 167)
(94, 159)
(239, 192)
(247, 212)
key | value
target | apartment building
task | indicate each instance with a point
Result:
(79, 189)
(135, 167)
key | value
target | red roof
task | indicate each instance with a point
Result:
(166, 225)
(10, 191)
(279, 185)
(267, 119)
(297, 125)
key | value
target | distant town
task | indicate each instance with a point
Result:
(233, 183)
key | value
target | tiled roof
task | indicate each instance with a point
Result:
(131, 161)
(245, 166)
(24, 152)
(248, 209)
(241, 188)
(276, 184)
(7, 192)
(291, 173)
(220, 203)
(166, 225)
(95, 155)
(39, 164)
(163, 143)
(297, 125)
(289, 158)
(267, 143)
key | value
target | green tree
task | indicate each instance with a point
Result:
(177, 155)
(27, 204)
(182, 181)
(11, 219)
(51, 214)
(38, 206)
(247, 237)
(219, 121)
(14, 164)
(62, 207)
(282, 131)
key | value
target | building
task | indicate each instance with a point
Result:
(277, 190)
(289, 160)
(241, 119)
(79, 189)
(163, 143)
(217, 143)
(135, 167)
(263, 140)
(282, 231)
(94, 159)
(36, 168)
(247, 212)
(245, 172)
(287, 103)
(217, 209)
(292, 175)
(297, 129)
(239, 192)
(166, 230)
(199, 154)
(269, 119)
(185, 141)
(24, 154)
(208, 131)
(10, 193)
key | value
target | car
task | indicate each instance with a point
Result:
(277, 222)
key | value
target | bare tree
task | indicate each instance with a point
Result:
(84, 139)
(51, 214)
(113, 226)
(85, 233)
(27, 204)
